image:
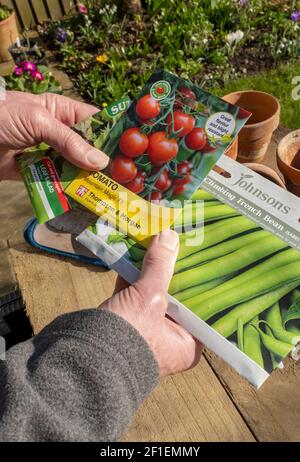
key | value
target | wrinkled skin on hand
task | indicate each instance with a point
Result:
(144, 306)
(27, 120)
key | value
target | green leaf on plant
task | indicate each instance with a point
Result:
(41, 87)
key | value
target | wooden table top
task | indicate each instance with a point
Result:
(209, 403)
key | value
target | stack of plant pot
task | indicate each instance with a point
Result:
(254, 138)
(8, 35)
(288, 160)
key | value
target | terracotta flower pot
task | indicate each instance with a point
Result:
(231, 152)
(8, 35)
(288, 160)
(255, 136)
(267, 173)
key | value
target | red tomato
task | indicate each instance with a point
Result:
(196, 140)
(208, 148)
(156, 196)
(187, 92)
(182, 121)
(184, 180)
(123, 169)
(179, 189)
(161, 149)
(147, 107)
(169, 184)
(162, 182)
(133, 143)
(184, 167)
(138, 184)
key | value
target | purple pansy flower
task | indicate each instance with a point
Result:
(18, 71)
(60, 34)
(37, 75)
(82, 9)
(295, 16)
(28, 66)
(243, 2)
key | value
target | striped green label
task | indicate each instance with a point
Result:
(45, 190)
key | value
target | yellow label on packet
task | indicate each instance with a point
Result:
(125, 210)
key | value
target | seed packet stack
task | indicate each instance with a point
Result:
(236, 285)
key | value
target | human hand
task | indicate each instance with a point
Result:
(27, 120)
(144, 305)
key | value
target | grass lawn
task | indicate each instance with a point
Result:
(278, 82)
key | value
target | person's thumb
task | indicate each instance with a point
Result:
(158, 264)
(71, 145)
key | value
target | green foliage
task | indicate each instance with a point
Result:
(27, 83)
(280, 83)
(190, 38)
(5, 12)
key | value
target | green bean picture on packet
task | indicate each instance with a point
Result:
(237, 289)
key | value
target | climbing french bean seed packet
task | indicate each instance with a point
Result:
(236, 285)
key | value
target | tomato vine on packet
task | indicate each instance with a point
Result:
(161, 150)
(170, 137)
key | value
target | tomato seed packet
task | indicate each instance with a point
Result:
(161, 149)
(170, 137)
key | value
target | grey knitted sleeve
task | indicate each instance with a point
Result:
(81, 378)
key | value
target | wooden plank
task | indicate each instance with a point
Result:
(272, 412)
(68, 5)
(15, 209)
(14, 212)
(25, 13)
(187, 407)
(191, 406)
(8, 3)
(7, 277)
(54, 9)
(40, 10)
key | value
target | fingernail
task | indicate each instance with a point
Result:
(169, 239)
(97, 158)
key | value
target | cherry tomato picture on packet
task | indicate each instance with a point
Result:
(147, 107)
(196, 139)
(182, 123)
(187, 93)
(179, 189)
(184, 167)
(161, 149)
(137, 185)
(184, 180)
(133, 143)
(162, 182)
(156, 196)
(123, 170)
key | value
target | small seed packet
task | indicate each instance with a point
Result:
(161, 149)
